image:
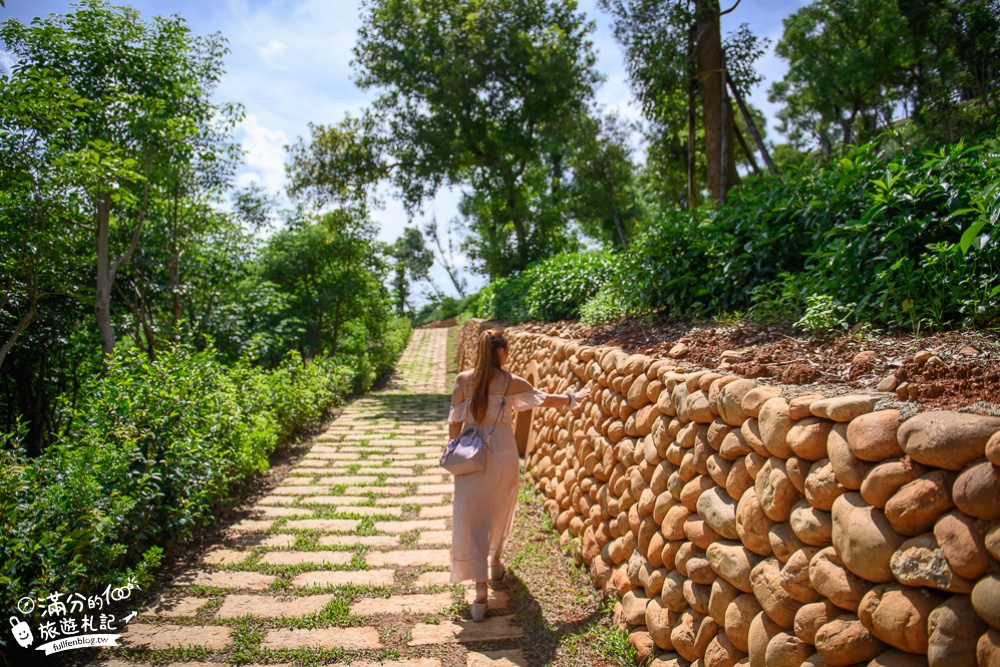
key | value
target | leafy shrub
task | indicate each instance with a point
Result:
(154, 446)
(444, 308)
(603, 307)
(903, 239)
(548, 290)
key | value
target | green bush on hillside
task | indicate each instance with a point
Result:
(880, 235)
(548, 290)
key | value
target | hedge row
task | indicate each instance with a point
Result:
(154, 448)
(904, 239)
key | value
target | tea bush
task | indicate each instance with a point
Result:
(548, 290)
(904, 239)
(153, 448)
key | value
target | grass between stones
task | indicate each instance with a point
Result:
(567, 623)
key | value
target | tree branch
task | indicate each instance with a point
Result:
(730, 9)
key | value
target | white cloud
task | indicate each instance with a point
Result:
(272, 51)
(265, 154)
(6, 62)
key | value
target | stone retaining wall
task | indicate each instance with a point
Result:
(751, 525)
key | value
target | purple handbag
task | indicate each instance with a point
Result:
(467, 453)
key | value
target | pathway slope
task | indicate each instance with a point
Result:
(347, 561)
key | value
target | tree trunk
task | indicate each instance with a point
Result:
(102, 299)
(719, 136)
(174, 271)
(692, 152)
(747, 151)
(23, 324)
(751, 125)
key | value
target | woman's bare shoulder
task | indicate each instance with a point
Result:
(519, 384)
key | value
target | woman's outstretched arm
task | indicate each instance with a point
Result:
(562, 400)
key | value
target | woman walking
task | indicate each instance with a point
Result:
(483, 502)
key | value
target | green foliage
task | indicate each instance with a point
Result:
(903, 239)
(823, 314)
(552, 289)
(445, 307)
(846, 64)
(151, 450)
(852, 63)
(602, 308)
(329, 276)
(372, 359)
(485, 95)
(413, 260)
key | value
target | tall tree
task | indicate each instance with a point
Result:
(846, 60)
(677, 64)
(331, 271)
(139, 94)
(954, 77)
(482, 94)
(603, 195)
(447, 258)
(413, 260)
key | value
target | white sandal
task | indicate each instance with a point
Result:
(497, 572)
(478, 612)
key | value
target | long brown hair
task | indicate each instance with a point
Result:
(491, 342)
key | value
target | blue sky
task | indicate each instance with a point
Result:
(290, 65)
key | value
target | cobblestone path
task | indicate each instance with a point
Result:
(347, 561)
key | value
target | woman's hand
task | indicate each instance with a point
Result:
(582, 394)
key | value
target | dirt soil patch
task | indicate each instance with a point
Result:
(944, 370)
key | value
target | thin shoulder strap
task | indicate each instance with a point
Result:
(503, 402)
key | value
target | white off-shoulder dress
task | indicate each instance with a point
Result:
(483, 502)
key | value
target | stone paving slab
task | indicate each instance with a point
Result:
(224, 557)
(270, 541)
(381, 510)
(313, 463)
(332, 455)
(494, 628)
(276, 512)
(378, 490)
(307, 557)
(253, 581)
(410, 500)
(412, 662)
(327, 525)
(277, 500)
(167, 635)
(428, 579)
(338, 500)
(434, 537)
(350, 639)
(252, 526)
(186, 606)
(348, 479)
(397, 527)
(304, 490)
(320, 500)
(345, 577)
(380, 541)
(410, 557)
(438, 512)
(435, 488)
(509, 658)
(402, 604)
(267, 606)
